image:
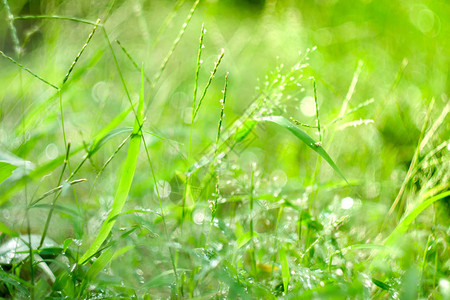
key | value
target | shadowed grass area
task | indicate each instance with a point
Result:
(294, 149)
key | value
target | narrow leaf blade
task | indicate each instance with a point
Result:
(305, 138)
(125, 180)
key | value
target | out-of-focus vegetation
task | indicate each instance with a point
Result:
(109, 189)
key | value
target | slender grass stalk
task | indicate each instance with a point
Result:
(81, 52)
(175, 43)
(194, 99)
(414, 160)
(54, 17)
(28, 70)
(317, 111)
(14, 36)
(424, 259)
(253, 249)
(355, 109)
(168, 20)
(298, 123)
(172, 259)
(399, 74)
(133, 62)
(205, 90)
(434, 127)
(31, 253)
(50, 213)
(109, 11)
(54, 190)
(108, 161)
(215, 163)
(351, 89)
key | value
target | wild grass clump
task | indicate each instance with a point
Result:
(141, 162)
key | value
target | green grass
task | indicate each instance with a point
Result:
(187, 149)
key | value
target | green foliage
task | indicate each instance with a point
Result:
(107, 193)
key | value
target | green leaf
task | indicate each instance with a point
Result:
(100, 263)
(284, 268)
(109, 131)
(244, 130)
(305, 138)
(125, 180)
(244, 239)
(6, 230)
(6, 170)
(381, 284)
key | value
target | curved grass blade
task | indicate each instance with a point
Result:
(305, 138)
(403, 226)
(100, 263)
(126, 178)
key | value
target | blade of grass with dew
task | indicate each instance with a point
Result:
(125, 180)
(285, 273)
(305, 138)
(403, 226)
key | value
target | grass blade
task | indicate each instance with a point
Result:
(403, 226)
(305, 138)
(126, 178)
(284, 269)
(6, 230)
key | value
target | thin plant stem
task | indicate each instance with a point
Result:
(54, 17)
(81, 52)
(216, 66)
(194, 98)
(175, 43)
(28, 70)
(50, 213)
(215, 163)
(14, 36)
